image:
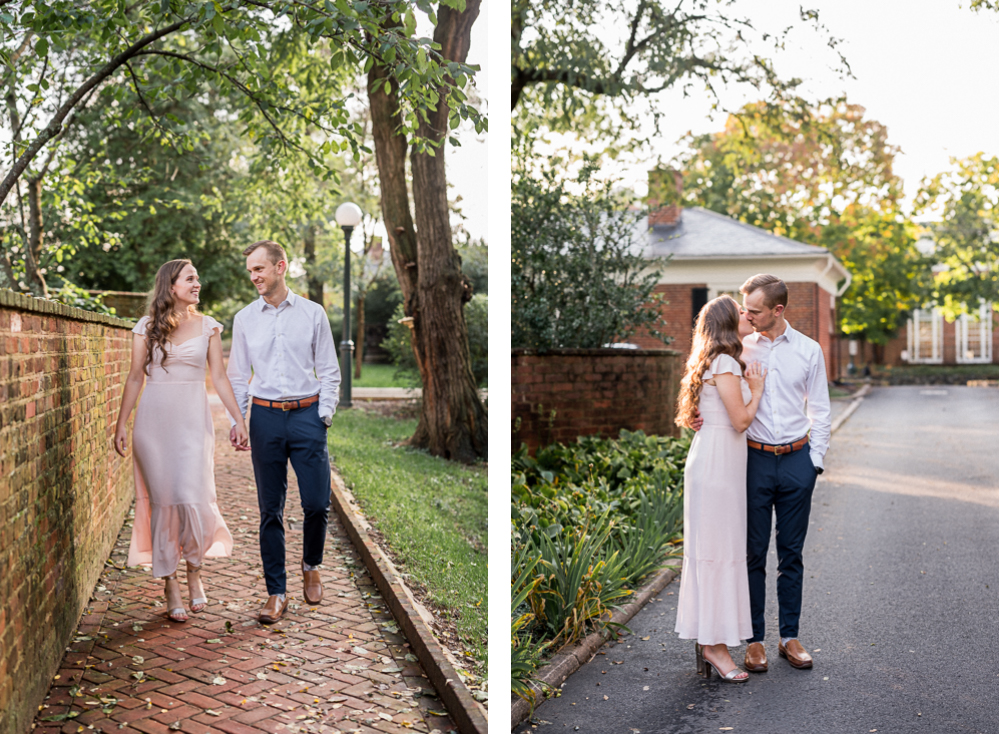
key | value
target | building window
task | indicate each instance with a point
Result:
(924, 337)
(974, 336)
(699, 297)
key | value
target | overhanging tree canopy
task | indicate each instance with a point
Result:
(60, 53)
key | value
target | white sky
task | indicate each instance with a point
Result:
(466, 165)
(929, 71)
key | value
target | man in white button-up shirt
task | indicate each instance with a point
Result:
(284, 359)
(786, 445)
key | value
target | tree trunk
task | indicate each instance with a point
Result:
(359, 348)
(314, 284)
(36, 232)
(452, 418)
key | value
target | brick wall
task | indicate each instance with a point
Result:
(808, 311)
(566, 393)
(676, 310)
(63, 491)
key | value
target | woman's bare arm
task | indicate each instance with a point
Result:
(223, 387)
(130, 394)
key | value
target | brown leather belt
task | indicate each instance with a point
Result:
(286, 405)
(785, 448)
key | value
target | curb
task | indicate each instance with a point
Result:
(858, 399)
(563, 664)
(414, 621)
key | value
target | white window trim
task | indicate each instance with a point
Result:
(715, 290)
(965, 323)
(937, 337)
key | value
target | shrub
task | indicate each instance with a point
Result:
(578, 276)
(595, 517)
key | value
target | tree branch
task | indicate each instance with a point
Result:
(55, 124)
(285, 140)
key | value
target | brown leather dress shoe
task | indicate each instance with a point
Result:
(312, 587)
(273, 610)
(795, 654)
(756, 659)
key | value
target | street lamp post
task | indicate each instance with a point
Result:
(348, 217)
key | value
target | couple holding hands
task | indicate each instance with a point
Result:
(749, 373)
(284, 344)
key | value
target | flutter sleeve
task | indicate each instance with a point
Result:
(211, 325)
(724, 364)
(140, 328)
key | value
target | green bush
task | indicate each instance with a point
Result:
(72, 295)
(477, 322)
(595, 518)
(578, 274)
(937, 374)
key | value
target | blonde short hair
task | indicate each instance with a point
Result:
(774, 288)
(275, 252)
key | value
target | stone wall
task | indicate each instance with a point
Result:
(565, 393)
(64, 492)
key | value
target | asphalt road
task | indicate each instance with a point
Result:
(900, 602)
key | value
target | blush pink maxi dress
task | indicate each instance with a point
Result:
(714, 603)
(173, 449)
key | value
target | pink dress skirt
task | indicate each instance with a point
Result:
(173, 449)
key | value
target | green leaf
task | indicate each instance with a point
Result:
(42, 47)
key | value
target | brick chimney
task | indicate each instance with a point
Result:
(665, 189)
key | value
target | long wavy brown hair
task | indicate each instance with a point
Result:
(162, 318)
(717, 331)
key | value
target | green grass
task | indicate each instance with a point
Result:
(836, 392)
(431, 513)
(379, 375)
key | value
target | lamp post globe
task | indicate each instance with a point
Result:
(348, 216)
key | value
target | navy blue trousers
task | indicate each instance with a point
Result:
(783, 485)
(277, 437)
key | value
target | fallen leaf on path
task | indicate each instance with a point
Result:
(690, 706)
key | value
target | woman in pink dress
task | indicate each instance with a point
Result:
(714, 604)
(176, 515)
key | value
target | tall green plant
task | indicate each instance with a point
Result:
(581, 582)
(524, 655)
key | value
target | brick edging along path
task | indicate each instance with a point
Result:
(343, 666)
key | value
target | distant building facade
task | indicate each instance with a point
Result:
(712, 254)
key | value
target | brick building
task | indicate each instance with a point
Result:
(929, 338)
(712, 254)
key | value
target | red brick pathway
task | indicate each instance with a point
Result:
(340, 667)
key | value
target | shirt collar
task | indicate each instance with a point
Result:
(790, 334)
(289, 299)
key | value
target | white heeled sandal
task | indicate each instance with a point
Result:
(198, 603)
(703, 663)
(177, 614)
